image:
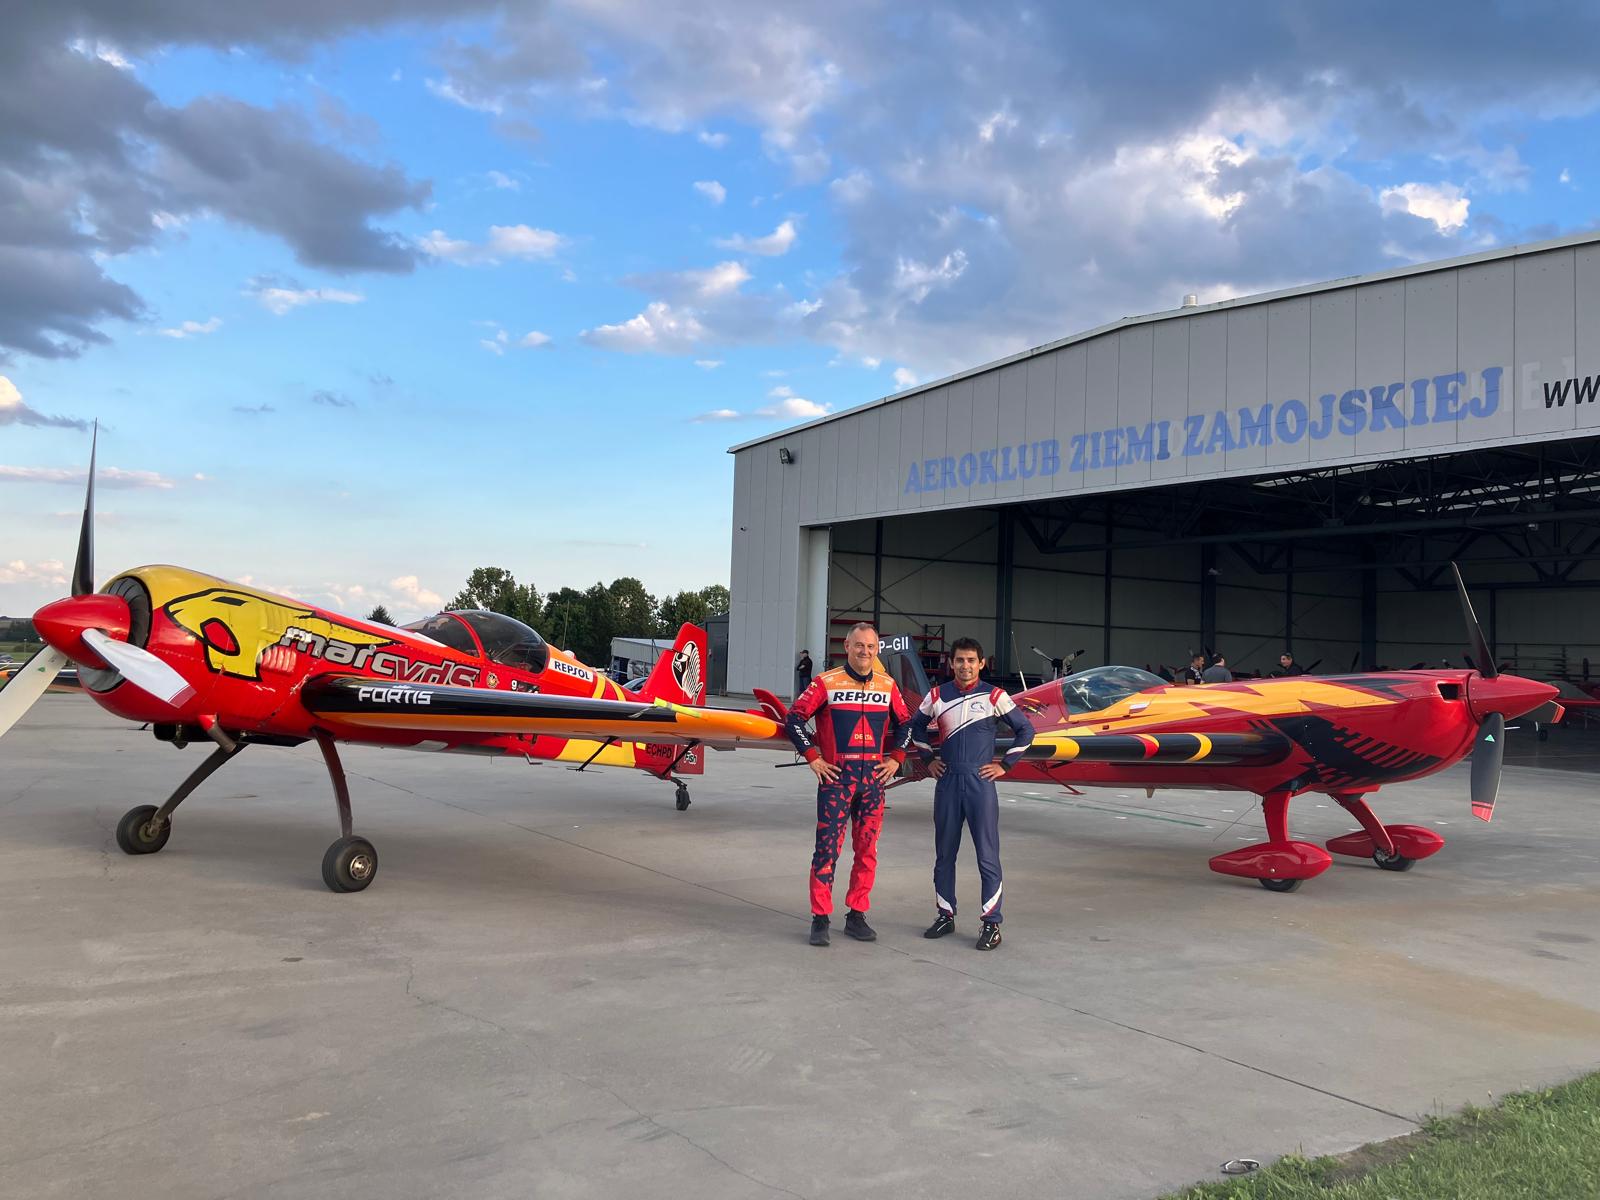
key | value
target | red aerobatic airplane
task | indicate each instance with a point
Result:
(1344, 736)
(199, 658)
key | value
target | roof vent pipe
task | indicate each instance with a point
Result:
(1190, 301)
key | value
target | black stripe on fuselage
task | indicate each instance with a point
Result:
(331, 695)
(1226, 749)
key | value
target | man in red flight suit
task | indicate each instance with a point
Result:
(863, 727)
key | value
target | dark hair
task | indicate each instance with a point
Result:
(966, 643)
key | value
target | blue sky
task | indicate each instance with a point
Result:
(368, 293)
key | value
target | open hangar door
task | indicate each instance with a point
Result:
(1347, 568)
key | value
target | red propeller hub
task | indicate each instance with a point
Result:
(1508, 695)
(62, 622)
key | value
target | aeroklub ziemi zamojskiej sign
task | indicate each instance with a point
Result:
(1430, 400)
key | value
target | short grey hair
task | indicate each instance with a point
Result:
(859, 626)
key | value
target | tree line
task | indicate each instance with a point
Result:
(585, 622)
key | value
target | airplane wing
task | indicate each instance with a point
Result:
(427, 708)
(1199, 749)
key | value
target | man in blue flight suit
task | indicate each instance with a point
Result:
(964, 711)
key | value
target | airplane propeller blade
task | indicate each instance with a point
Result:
(19, 692)
(1480, 644)
(139, 667)
(83, 568)
(1487, 752)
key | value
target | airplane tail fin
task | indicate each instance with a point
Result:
(680, 677)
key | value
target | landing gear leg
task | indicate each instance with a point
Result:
(351, 863)
(1279, 864)
(1392, 847)
(145, 829)
(683, 788)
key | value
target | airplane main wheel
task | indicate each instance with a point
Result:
(683, 797)
(1280, 885)
(134, 832)
(349, 865)
(1392, 862)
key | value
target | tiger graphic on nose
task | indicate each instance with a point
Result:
(237, 627)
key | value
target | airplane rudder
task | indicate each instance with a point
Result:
(680, 676)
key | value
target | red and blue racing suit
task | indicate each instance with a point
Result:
(861, 721)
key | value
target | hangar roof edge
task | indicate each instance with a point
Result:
(1305, 289)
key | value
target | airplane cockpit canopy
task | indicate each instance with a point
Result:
(1101, 687)
(504, 639)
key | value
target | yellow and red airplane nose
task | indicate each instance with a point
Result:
(1508, 695)
(61, 623)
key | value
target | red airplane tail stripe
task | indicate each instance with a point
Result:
(679, 677)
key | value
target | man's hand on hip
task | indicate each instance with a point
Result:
(826, 771)
(936, 768)
(886, 770)
(991, 771)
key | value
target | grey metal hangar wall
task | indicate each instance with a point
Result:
(1496, 348)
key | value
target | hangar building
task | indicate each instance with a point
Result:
(1291, 470)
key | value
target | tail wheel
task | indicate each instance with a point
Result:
(350, 865)
(136, 833)
(1280, 885)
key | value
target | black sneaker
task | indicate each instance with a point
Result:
(855, 924)
(990, 937)
(942, 924)
(819, 931)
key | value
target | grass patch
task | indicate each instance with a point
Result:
(1541, 1145)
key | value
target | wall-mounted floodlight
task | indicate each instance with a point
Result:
(785, 456)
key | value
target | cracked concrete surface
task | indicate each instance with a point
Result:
(560, 986)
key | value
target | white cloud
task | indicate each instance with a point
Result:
(1442, 203)
(870, 363)
(104, 51)
(446, 89)
(904, 377)
(497, 343)
(280, 300)
(660, 328)
(504, 241)
(715, 140)
(851, 188)
(716, 281)
(501, 180)
(104, 477)
(916, 279)
(192, 328)
(777, 242)
(1566, 175)
(708, 364)
(411, 589)
(533, 339)
(785, 405)
(50, 572)
(711, 190)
